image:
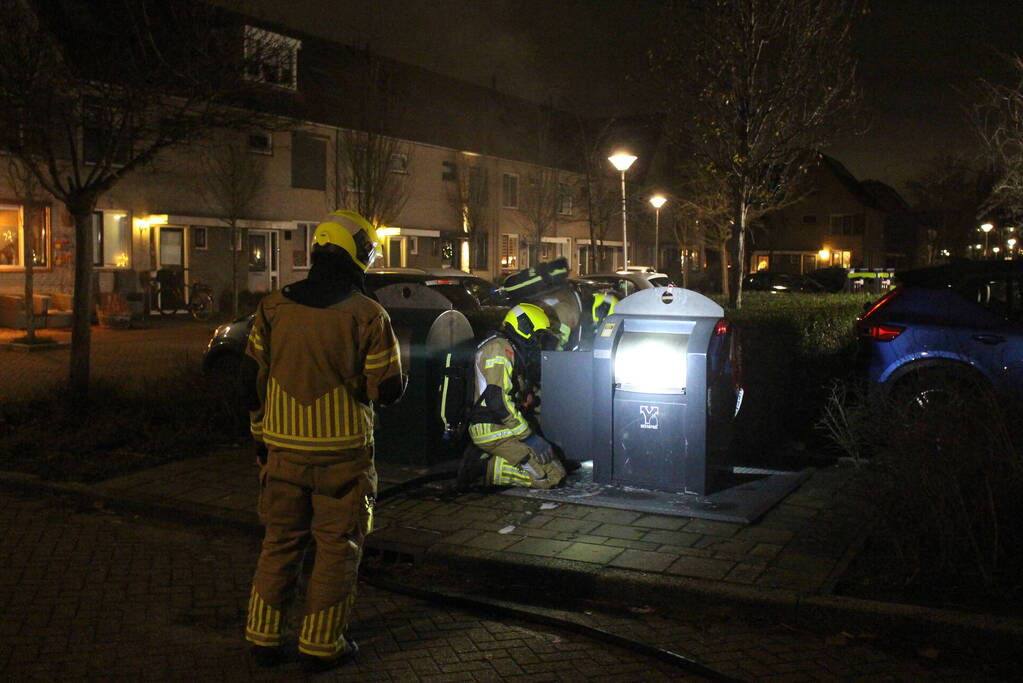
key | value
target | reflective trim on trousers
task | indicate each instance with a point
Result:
(500, 472)
(484, 432)
(263, 626)
(322, 633)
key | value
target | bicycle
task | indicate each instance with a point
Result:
(170, 300)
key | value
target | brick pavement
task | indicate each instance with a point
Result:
(88, 594)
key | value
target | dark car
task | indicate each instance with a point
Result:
(780, 283)
(948, 328)
(479, 299)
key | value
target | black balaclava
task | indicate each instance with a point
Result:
(332, 278)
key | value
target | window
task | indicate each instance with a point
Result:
(564, 199)
(510, 191)
(398, 163)
(271, 58)
(198, 237)
(848, 224)
(477, 185)
(509, 252)
(1001, 296)
(303, 244)
(481, 248)
(111, 239)
(261, 143)
(413, 246)
(308, 161)
(448, 170)
(14, 219)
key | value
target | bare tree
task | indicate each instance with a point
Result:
(951, 192)
(469, 195)
(755, 87)
(706, 208)
(998, 118)
(230, 184)
(600, 191)
(26, 188)
(538, 207)
(370, 165)
(83, 111)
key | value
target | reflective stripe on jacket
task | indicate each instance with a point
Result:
(495, 365)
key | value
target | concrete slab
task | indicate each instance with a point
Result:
(755, 492)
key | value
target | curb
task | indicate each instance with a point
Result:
(581, 579)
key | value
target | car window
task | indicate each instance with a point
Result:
(461, 299)
(626, 287)
(999, 295)
(660, 281)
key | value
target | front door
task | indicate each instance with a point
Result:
(262, 250)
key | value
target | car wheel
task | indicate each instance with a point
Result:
(942, 390)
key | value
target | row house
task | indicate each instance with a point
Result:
(449, 138)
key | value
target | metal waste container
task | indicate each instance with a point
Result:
(427, 327)
(663, 373)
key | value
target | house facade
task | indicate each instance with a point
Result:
(836, 221)
(165, 218)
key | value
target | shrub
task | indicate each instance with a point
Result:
(943, 487)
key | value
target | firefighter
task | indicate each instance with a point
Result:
(508, 451)
(320, 355)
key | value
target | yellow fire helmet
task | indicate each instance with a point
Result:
(603, 305)
(527, 320)
(351, 232)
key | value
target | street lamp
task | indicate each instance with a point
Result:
(657, 201)
(987, 227)
(622, 161)
(1012, 245)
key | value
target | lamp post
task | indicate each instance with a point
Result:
(987, 227)
(622, 161)
(657, 201)
(1012, 245)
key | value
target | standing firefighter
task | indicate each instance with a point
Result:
(507, 384)
(324, 354)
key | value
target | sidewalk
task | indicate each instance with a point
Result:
(786, 563)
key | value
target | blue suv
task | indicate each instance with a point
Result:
(953, 327)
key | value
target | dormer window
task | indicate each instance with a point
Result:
(271, 58)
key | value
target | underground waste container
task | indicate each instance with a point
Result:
(663, 392)
(427, 327)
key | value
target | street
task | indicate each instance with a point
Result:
(89, 594)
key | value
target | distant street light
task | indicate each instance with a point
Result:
(622, 161)
(1012, 245)
(657, 201)
(987, 227)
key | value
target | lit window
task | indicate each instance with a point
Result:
(509, 252)
(510, 191)
(271, 57)
(111, 239)
(14, 218)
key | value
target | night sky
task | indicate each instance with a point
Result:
(918, 59)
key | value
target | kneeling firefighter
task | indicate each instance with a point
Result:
(319, 356)
(507, 367)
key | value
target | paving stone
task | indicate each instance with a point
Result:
(624, 543)
(588, 552)
(661, 522)
(775, 535)
(643, 560)
(619, 531)
(712, 528)
(612, 516)
(579, 526)
(678, 538)
(700, 567)
(489, 540)
(539, 546)
(745, 573)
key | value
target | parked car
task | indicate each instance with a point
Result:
(951, 328)
(780, 283)
(479, 299)
(626, 282)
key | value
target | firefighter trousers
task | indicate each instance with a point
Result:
(511, 464)
(326, 497)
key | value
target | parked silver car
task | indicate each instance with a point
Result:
(626, 282)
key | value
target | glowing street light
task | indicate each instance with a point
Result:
(657, 201)
(987, 227)
(1012, 245)
(622, 161)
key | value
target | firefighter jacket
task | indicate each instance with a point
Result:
(320, 370)
(497, 415)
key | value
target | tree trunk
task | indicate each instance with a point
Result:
(81, 306)
(723, 250)
(30, 317)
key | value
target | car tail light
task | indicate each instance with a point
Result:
(723, 326)
(882, 333)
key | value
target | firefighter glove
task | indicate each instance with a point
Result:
(542, 451)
